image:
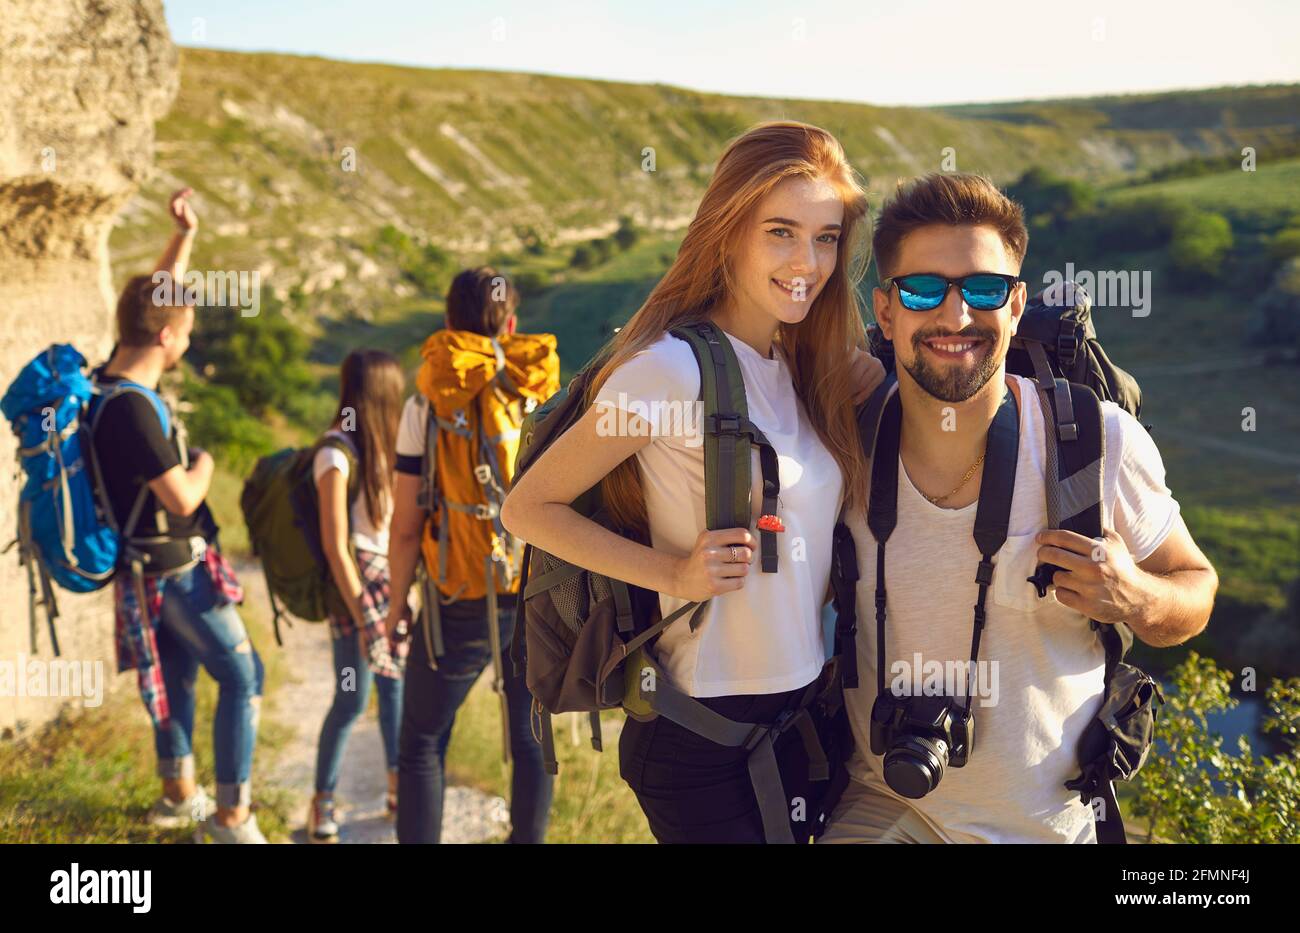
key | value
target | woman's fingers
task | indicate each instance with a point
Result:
(732, 554)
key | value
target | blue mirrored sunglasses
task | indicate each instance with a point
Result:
(925, 291)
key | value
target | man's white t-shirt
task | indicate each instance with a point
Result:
(1049, 663)
(766, 637)
(367, 535)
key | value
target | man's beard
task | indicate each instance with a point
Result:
(955, 384)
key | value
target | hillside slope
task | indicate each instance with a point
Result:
(472, 161)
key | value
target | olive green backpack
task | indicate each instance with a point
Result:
(282, 512)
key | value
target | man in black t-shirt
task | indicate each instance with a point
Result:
(175, 593)
(125, 468)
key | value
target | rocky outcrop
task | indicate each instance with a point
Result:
(81, 84)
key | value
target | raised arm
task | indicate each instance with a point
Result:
(175, 258)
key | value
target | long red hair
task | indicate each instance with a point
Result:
(701, 276)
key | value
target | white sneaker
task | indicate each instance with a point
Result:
(246, 833)
(167, 814)
(322, 827)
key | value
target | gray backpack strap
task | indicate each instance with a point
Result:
(498, 661)
(427, 498)
(177, 436)
(759, 740)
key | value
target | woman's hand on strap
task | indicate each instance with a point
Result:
(718, 564)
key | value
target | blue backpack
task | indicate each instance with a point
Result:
(66, 530)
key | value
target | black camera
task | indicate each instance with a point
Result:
(919, 738)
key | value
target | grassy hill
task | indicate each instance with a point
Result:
(478, 162)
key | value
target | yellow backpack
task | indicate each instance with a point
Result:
(479, 390)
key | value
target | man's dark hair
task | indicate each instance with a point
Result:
(481, 301)
(955, 199)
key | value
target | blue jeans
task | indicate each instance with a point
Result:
(352, 680)
(197, 627)
(429, 711)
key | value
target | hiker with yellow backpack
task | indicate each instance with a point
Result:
(455, 461)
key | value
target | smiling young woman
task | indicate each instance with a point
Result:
(771, 260)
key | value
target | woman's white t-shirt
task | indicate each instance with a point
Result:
(367, 535)
(766, 637)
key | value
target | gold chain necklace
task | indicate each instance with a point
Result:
(935, 500)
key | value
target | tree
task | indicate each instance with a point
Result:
(1044, 195)
(262, 358)
(1201, 241)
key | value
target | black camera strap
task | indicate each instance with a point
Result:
(992, 516)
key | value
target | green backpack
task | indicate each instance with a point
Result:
(588, 638)
(282, 512)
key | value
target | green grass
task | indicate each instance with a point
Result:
(89, 776)
(591, 804)
(1264, 199)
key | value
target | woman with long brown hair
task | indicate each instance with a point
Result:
(771, 260)
(353, 469)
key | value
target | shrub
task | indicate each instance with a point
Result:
(1192, 790)
(627, 234)
(1200, 244)
(1285, 244)
(262, 358)
(584, 257)
(1044, 195)
(216, 422)
(531, 282)
(1276, 320)
(1138, 224)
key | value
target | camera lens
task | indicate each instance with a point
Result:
(914, 766)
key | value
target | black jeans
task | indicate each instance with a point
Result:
(696, 791)
(429, 704)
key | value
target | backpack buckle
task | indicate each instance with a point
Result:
(1067, 348)
(483, 473)
(724, 424)
(486, 511)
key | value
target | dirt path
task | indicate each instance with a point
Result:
(302, 704)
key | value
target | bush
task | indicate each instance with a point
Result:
(1138, 224)
(1201, 241)
(531, 282)
(1285, 244)
(626, 235)
(262, 358)
(1276, 320)
(217, 423)
(1046, 195)
(584, 257)
(426, 267)
(1192, 790)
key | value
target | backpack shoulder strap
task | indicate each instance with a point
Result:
(106, 395)
(102, 397)
(728, 436)
(343, 447)
(1074, 493)
(869, 414)
(427, 498)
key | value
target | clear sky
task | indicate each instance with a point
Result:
(899, 52)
